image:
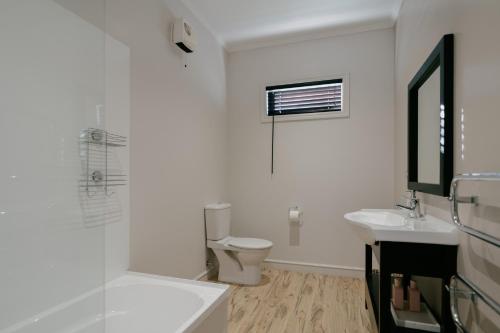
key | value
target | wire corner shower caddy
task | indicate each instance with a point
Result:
(102, 170)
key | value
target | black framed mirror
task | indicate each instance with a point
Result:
(430, 122)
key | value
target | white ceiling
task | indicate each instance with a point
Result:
(241, 24)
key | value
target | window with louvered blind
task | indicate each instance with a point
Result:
(325, 96)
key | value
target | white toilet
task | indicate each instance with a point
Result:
(239, 258)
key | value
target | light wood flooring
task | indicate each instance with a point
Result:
(296, 302)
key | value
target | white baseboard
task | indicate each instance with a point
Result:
(298, 266)
(357, 272)
(201, 275)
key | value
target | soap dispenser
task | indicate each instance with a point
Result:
(397, 294)
(413, 297)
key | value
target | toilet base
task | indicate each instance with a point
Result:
(250, 275)
(240, 267)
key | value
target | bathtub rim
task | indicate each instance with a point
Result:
(191, 325)
(201, 314)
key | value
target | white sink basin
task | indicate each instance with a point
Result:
(391, 225)
(383, 218)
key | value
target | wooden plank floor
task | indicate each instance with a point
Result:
(296, 302)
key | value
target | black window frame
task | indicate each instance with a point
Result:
(271, 111)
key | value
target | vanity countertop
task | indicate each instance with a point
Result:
(392, 225)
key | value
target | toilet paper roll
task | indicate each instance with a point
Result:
(294, 215)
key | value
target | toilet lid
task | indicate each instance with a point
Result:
(250, 243)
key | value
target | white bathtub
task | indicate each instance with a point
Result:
(137, 303)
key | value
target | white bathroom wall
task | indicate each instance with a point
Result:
(51, 88)
(327, 167)
(476, 117)
(117, 113)
(178, 135)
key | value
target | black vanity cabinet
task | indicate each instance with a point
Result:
(429, 260)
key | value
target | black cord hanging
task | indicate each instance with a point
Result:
(272, 148)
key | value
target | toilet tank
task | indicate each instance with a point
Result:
(217, 220)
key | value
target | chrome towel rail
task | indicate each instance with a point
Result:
(455, 200)
(472, 294)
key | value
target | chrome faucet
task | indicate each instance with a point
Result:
(414, 207)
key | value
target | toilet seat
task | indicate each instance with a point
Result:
(240, 244)
(249, 243)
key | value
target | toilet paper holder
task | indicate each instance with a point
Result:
(295, 215)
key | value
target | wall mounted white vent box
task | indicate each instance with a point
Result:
(183, 35)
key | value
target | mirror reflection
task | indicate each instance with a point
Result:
(429, 130)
